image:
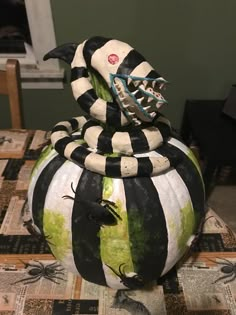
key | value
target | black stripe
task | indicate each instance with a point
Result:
(41, 189)
(78, 72)
(79, 155)
(138, 141)
(104, 143)
(113, 114)
(153, 75)
(59, 128)
(91, 46)
(112, 167)
(164, 129)
(87, 100)
(74, 123)
(130, 62)
(147, 227)
(61, 144)
(145, 167)
(189, 174)
(85, 239)
(87, 125)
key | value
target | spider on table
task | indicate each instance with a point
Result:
(229, 269)
(50, 272)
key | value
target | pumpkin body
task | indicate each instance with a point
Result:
(155, 218)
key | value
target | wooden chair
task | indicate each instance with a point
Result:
(10, 84)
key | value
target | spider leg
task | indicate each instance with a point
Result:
(55, 264)
(52, 279)
(116, 214)
(34, 278)
(226, 263)
(27, 264)
(230, 280)
(115, 272)
(122, 272)
(221, 278)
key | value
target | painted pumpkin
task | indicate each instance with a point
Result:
(119, 205)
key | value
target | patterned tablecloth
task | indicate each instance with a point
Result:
(203, 283)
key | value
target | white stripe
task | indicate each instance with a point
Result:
(154, 137)
(70, 148)
(178, 194)
(91, 136)
(100, 58)
(179, 145)
(39, 167)
(95, 163)
(98, 110)
(54, 203)
(142, 70)
(78, 60)
(129, 166)
(80, 86)
(121, 143)
(58, 135)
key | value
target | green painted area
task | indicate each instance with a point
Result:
(139, 236)
(107, 187)
(43, 156)
(188, 223)
(100, 86)
(58, 235)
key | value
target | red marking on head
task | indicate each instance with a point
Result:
(113, 59)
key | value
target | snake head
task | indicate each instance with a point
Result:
(134, 83)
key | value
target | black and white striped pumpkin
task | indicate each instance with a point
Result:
(119, 213)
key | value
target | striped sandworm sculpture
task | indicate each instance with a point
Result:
(117, 196)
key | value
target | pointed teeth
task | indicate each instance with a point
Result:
(136, 121)
(132, 114)
(137, 82)
(147, 107)
(154, 84)
(153, 114)
(140, 99)
(129, 80)
(135, 92)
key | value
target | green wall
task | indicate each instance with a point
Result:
(191, 43)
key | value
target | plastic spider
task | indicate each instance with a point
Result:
(229, 269)
(101, 211)
(134, 282)
(50, 272)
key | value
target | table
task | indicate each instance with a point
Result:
(192, 287)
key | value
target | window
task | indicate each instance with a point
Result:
(35, 72)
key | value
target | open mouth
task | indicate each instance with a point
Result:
(139, 98)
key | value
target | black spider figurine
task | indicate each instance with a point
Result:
(101, 211)
(50, 272)
(134, 282)
(229, 269)
(34, 231)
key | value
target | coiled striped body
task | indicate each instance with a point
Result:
(159, 216)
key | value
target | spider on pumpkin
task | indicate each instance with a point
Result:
(134, 282)
(50, 272)
(101, 211)
(229, 269)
